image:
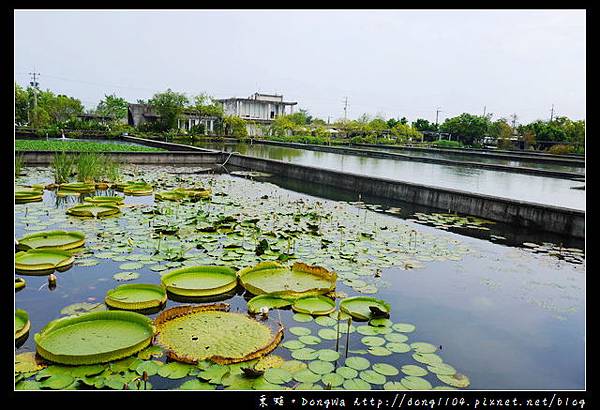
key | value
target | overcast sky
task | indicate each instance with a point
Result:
(389, 62)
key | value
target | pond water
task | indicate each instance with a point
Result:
(530, 188)
(505, 317)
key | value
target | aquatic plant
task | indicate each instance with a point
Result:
(42, 261)
(137, 296)
(63, 165)
(19, 162)
(51, 239)
(198, 281)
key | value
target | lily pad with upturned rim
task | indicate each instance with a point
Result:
(63, 240)
(314, 305)
(136, 296)
(359, 306)
(93, 338)
(42, 261)
(93, 210)
(198, 281)
(22, 323)
(19, 283)
(115, 200)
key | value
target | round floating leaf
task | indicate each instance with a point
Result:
(131, 266)
(301, 317)
(299, 331)
(63, 240)
(293, 344)
(174, 370)
(415, 383)
(394, 386)
(356, 384)
(92, 338)
(209, 332)
(22, 323)
(80, 187)
(360, 307)
(373, 341)
(372, 377)
(357, 363)
(380, 322)
(310, 340)
(93, 210)
(346, 372)
(442, 369)
(328, 334)
(379, 351)
(367, 330)
(28, 362)
(325, 321)
(267, 362)
(57, 382)
(197, 385)
(82, 307)
(277, 376)
(421, 347)
(306, 353)
(278, 280)
(412, 370)
(150, 367)
(293, 366)
(321, 367)
(138, 296)
(261, 384)
(256, 303)
(197, 281)
(328, 355)
(314, 305)
(126, 276)
(427, 358)
(456, 380)
(19, 283)
(396, 337)
(332, 379)
(403, 327)
(397, 347)
(385, 369)
(306, 376)
(42, 261)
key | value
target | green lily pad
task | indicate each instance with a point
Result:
(403, 327)
(57, 382)
(394, 386)
(372, 377)
(197, 281)
(421, 347)
(379, 351)
(427, 358)
(306, 376)
(22, 323)
(314, 305)
(93, 210)
(301, 317)
(174, 370)
(126, 276)
(397, 347)
(19, 283)
(82, 307)
(306, 353)
(42, 261)
(266, 301)
(359, 307)
(455, 380)
(293, 344)
(373, 341)
(131, 266)
(347, 372)
(356, 384)
(412, 370)
(325, 321)
(63, 240)
(321, 367)
(357, 363)
(138, 296)
(197, 385)
(442, 369)
(278, 280)
(385, 369)
(328, 355)
(415, 383)
(380, 322)
(332, 379)
(299, 331)
(309, 340)
(367, 330)
(209, 332)
(92, 338)
(277, 376)
(115, 200)
(328, 334)
(293, 366)
(396, 337)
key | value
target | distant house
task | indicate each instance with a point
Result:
(258, 109)
(139, 114)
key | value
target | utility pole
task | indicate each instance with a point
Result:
(484, 107)
(514, 122)
(552, 113)
(345, 107)
(34, 83)
(437, 112)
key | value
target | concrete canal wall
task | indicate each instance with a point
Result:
(396, 156)
(558, 220)
(148, 158)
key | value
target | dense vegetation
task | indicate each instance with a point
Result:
(42, 145)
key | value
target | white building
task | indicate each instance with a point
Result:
(258, 109)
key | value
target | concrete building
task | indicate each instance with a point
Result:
(258, 110)
(139, 114)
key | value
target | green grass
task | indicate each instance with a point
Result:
(62, 166)
(18, 165)
(34, 145)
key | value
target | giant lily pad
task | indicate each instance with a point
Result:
(314, 305)
(135, 188)
(256, 303)
(27, 194)
(51, 239)
(114, 200)
(179, 194)
(359, 307)
(278, 280)
(198, 281)
(80, 187)
(209, 332)
(19, 283)
(42, 261)
(22, 323)
(93, 210)
(137, 296)
(92, 338)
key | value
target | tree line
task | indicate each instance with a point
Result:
(40, 109)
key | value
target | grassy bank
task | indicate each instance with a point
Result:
(33, 145)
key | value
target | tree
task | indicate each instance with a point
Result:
(285, 124)
(423, 125)
(169, 105)
(502, 132)
(113, 106)
(205, 104)
(469, 127)
(403, 133)
(235, 126)
(21, 105)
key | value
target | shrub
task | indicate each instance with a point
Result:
(560, 149)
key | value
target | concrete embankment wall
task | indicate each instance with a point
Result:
(396, 156)
(169, 146)
(148, 158)
(534, 216)
(512, 156)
